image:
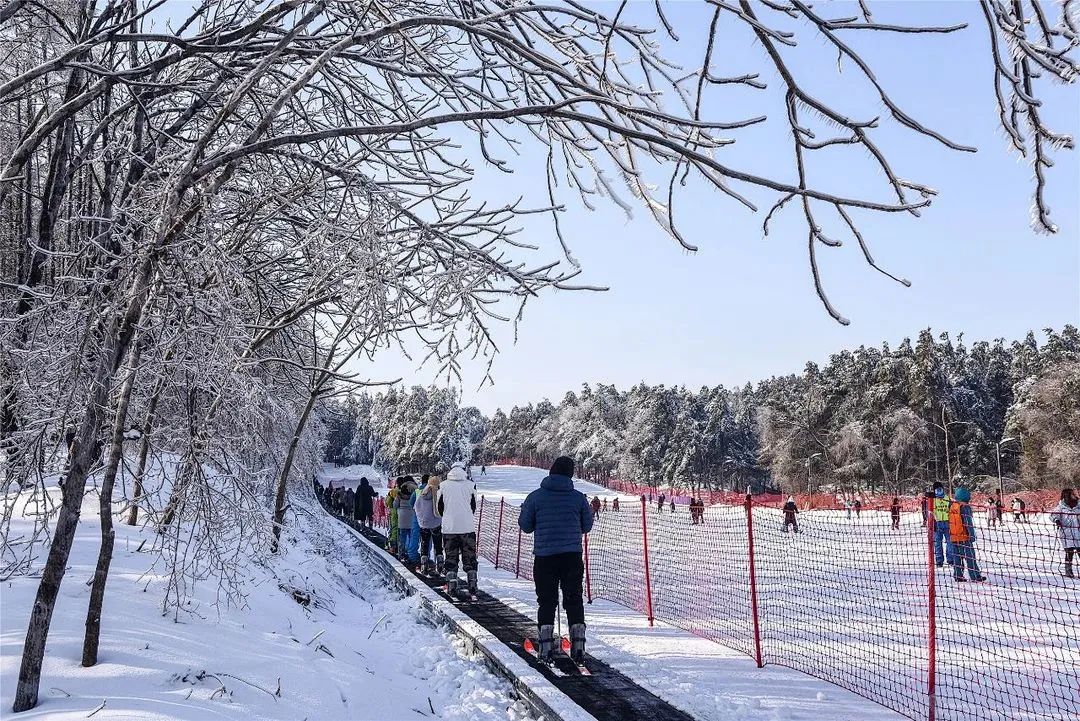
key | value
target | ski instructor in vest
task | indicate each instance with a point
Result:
(558, 515)
(940, 513)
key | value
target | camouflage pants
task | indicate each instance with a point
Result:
(459, 545)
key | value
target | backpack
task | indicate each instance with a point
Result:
(958, 532)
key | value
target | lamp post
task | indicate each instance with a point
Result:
(1001, 485)
(809, 485)
(948, 459)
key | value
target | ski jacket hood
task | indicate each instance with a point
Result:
(558, 483)
(558, 515)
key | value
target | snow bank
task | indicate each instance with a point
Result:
(357, 650)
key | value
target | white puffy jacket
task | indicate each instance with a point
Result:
(456, 502)
(1068, 522)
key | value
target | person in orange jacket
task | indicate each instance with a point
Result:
(962, 536)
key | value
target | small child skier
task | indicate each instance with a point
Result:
(790, 521)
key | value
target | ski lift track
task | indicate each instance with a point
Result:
(606, 695)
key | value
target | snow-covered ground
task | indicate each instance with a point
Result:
(357, 651)
(845, 599)
(515, 482)
(707, 680)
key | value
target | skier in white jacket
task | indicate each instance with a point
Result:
(1066, 516)
(456, 504)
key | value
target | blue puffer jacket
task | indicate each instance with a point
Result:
(558, 515)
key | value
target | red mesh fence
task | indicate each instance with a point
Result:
(857, 601)
(1022, 626)
(847, 601)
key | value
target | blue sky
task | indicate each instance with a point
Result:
(743, 307)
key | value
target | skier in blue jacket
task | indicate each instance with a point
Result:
(558, 515)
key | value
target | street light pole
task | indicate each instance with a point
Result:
(809, 483)
(1001, 484)
(948, 459)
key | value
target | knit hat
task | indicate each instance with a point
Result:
(563, 466)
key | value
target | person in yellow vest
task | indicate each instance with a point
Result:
(962, 535)
(939, 509)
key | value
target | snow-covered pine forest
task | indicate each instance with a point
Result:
(423, 429)
(873, 419)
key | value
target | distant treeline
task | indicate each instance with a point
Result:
(872, 419)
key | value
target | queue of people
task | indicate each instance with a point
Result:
(358, 505)
(431, 524)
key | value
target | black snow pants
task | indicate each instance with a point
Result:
(430, 538)
(550, 573)
(459, 546)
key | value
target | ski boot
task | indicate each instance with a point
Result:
(451, 585)
(440, 568)
(577, 643)
(472, 583)
(427, 567)
(545, 650)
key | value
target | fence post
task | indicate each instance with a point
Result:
(498, 533)
(931, 612)
(645, 548)
(588, 581)
(517, 569)
(753, 578)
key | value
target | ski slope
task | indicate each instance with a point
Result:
(516, 482)
(709, 681)
(357, 651)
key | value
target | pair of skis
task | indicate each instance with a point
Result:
(532, 645)
(461, 596)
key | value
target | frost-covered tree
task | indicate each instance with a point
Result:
(868, 421)
(414, 430)
(1048, 417)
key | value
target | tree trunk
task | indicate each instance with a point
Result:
(37, 631)
(118, 340)
(286, 467)
(108, 534)
(144, 451)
